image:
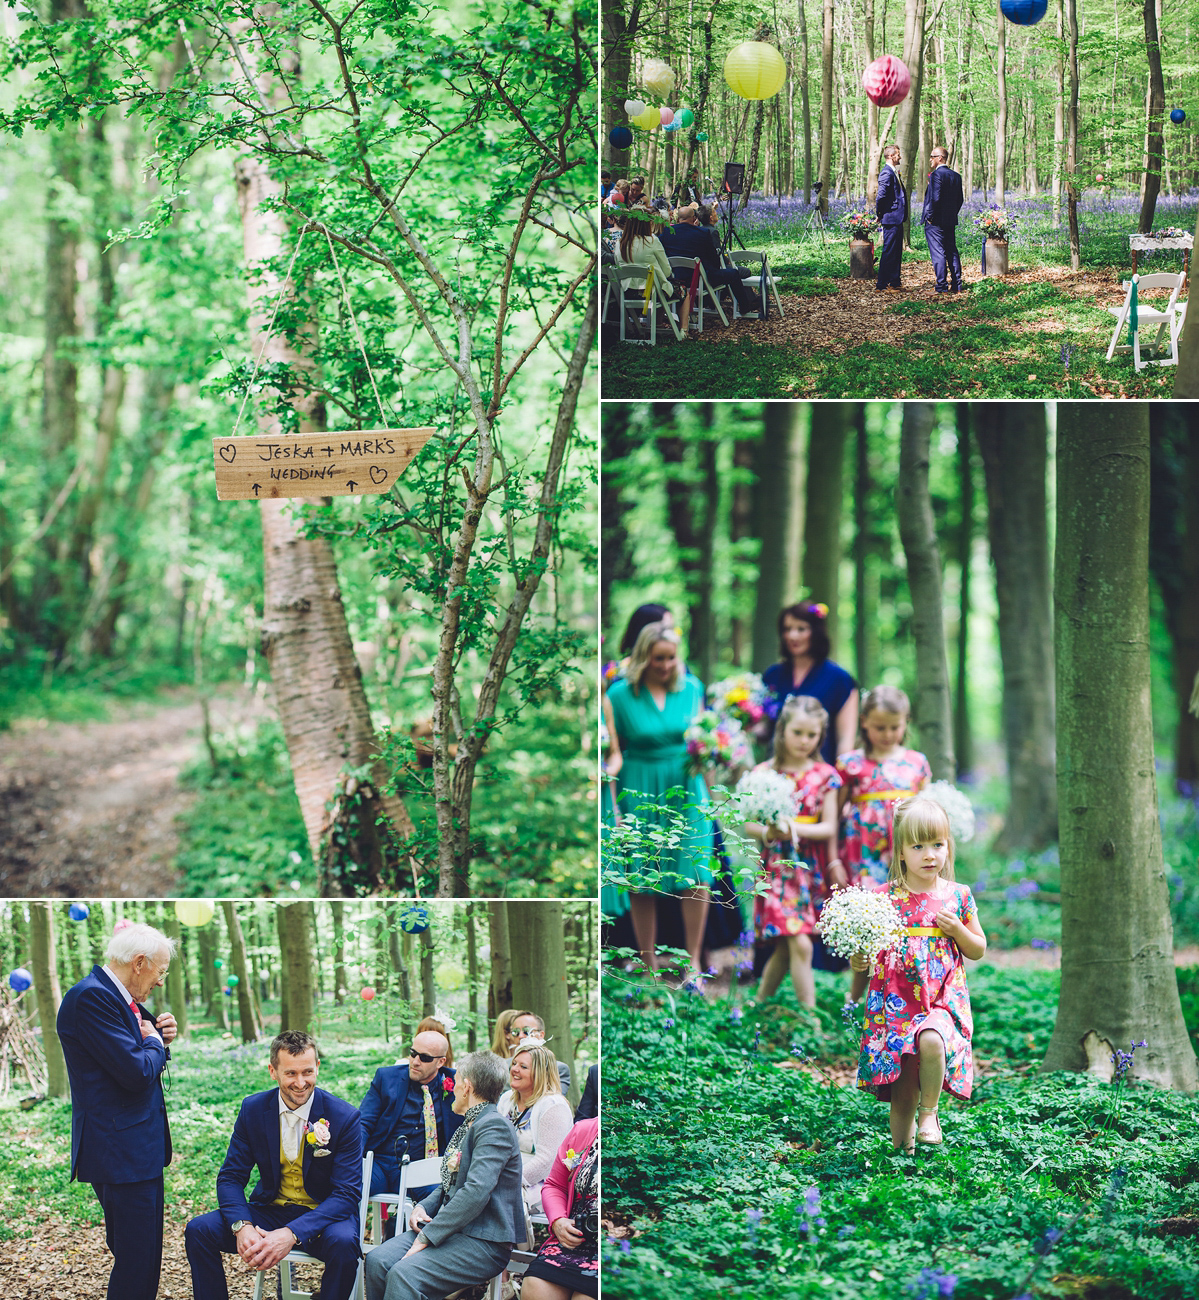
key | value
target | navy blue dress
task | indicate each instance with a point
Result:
(828, 682)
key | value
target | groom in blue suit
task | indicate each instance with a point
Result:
(891, 208)
(307, 1146)
(116, 1052)
(943, 200)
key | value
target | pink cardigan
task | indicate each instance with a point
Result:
(559, 1189)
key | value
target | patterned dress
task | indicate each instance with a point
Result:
(919, 985)
(798, 880)
(575, 1267)
(873, 790)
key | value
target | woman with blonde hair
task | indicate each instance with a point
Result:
(539, 1112)
(505, 1038)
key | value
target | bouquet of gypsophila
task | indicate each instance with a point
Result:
(717, 746)
(764, 796)
(859, 919)
(958, 809)
(743, 698)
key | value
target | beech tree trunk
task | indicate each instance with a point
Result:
(1072, 141)
(472, 976)
(499, 989)
(176, 973)
(826, 108)
(778, 515)
(865, 635)
(1001, 111)
(428, 987)
(340, 985)
(1013, 438)
(539, 983)
(1186, 638)
(250, 1029)
(1118, 980)
(805, 103)
(1059, 118)
(1155, 143)
(963, 738)
(295, 924)
(907, 125)
(822, 512)
(917, 532)
(872, 140)
(45, 985)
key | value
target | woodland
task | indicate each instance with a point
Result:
(233, 220)
(353, 973)
(1026, 573)
(1070, 125)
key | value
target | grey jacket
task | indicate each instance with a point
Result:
(484, 1200)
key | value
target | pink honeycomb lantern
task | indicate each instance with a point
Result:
(887, 81)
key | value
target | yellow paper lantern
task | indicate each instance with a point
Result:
(657, 77)
(450, 976)
(194, 911)
(648, 120)
(755, 70)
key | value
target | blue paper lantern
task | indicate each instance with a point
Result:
(19, 980)
(1177, 116)
(620, 137)
(414, 920)
(1024, 13)
(78, 912)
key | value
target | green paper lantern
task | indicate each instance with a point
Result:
(686, 117)
(233, 981)
(701, 136)
(219, 963)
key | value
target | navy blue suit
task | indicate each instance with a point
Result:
(120, 1139)
(891, 208)
(943, 201)
(683, 240)
(332, 1178)
(393, 1122)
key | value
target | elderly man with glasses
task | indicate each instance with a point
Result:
(409, 1109)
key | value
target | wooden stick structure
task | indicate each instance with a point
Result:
(19, 1046)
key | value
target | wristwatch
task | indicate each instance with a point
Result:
(239, 1225)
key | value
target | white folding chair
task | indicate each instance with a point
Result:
(755, 257)
(287, 1278)
(703, 292)
(1166, 319)
(627, 285)
(523, 1254)
(413, 1173)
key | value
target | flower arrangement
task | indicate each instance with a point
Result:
(742, 697)
(319, 1134)
(860, 224)
(764, 796)
(958, 809)
(1168, 232)
(995, 224)
(718, 746)
(571, 1158)
(447, 1084)
(858, 919)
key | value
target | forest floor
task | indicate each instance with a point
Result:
(90, 808)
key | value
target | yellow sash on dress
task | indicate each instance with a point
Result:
(883, 794)
(930, 931)
(805, 819)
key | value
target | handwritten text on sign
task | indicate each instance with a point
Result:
(313, 464)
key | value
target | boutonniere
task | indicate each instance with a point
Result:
(455, 1159)
(447, 1084)
(572, 1158)
(318, 1136)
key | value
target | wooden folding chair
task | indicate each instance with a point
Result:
(1166, 319)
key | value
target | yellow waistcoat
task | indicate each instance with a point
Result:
(291, 1184)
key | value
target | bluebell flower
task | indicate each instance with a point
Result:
(626, 1246)
(735, 1015)
(668, 1024)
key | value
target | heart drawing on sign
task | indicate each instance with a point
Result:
(378, 473)
(227, 454)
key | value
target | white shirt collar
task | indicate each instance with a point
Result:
(126, 996)
(303, 1111)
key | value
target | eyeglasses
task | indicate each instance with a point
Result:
(424, 1056)
(514, 1033)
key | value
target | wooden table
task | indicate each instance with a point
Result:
(1146, 243)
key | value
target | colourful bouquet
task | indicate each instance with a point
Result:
(1169, 232)
(859, 919)
(764, 796)
(742, 698)
(958, 809)
(717, 746)
(861, 224)
(996, 224)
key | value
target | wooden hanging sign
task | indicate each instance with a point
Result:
(350, 463)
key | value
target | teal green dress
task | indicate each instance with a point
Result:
(655, 760)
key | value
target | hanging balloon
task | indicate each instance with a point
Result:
(218, 963)
(665, 115)
(414, 920)
(657, 78)
(755, 70)
(701, 136)
(367, 994)
(1024, 13)
(686, 117)
(1177, 116)
(615, 197)
(634, 107)
(450, 976)
(648, 120)
(233, 981)
(620, 137)
(194, 911)
(123, 924)
(78, 912)
(887, 81)
(19, 980)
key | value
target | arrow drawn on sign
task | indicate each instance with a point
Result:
(351, 484)
(255, 487)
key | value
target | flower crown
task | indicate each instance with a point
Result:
(819, 610)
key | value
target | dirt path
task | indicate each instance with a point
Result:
(90, 808)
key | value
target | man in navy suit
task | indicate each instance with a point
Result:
(408, 1109)
(116, 1052)
(307, 1146)
(891, 208)
(942, 202)
(688, 238)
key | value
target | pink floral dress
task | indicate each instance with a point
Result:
(921, 984)
(873, 790)
(798, 880)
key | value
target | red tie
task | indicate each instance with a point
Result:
(133, 1008)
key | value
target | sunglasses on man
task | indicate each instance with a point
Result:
(424, 1056)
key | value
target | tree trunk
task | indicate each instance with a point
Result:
(245, 990)
(740, 527)
(295, 920)
(472, 977)
(1118, 980)
(778, 513)
(1013, 439)
(865, 643)
(907, 127)
(539, 974)
(214, 998)
(176, 973)
(428, 987)
(1072, 142)
(755, 146)
(340, 986)
(1059, 118)
(1001, 111)
(826, 107)
(917, 532)
(499, 992)
(45, 985)
(963, 739)
(1186, 639)
(805, 102)
(1154, 138)
(872, 140)
(617, 564)
(822, 512)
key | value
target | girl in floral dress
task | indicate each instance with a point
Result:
(916, 1037)
(798, 877)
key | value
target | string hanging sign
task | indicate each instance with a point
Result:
(346, 462)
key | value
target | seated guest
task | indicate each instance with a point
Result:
(688, 238)
(636, 190)
(605, 182)
(438, 1027)
(307, 1146)
(640, 246)
(505, 1037)
(538, 1111)
(588, 1107)
(408, 1109)
(463, 1232)
(529, 1025)
(567, 1265)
